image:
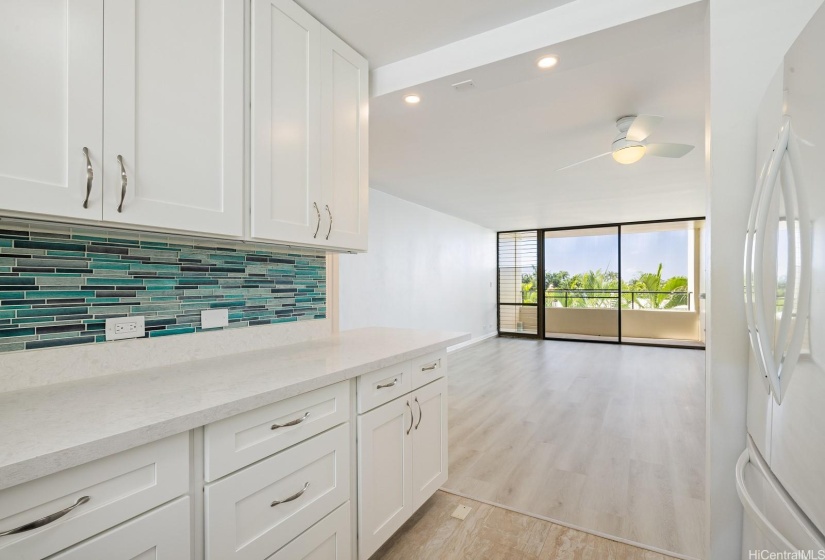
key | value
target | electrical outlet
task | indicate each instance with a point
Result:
(119, 328)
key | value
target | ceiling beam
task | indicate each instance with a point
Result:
(566, 22)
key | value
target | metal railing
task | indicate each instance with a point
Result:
(612, 298)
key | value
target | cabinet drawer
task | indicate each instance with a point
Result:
(244, 519)
(329, 539)
(428, 368)
(243, 439)
(383, 385)
(162, 534)
(119, 487)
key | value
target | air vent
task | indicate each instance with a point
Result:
(464, 86)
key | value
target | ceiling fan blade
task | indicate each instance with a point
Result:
(642, 126)
(669, 150)
(583, 161)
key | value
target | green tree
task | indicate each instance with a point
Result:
(655, 292)
(599, 288)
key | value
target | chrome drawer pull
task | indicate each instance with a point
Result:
(388, 385)
(123, 181)
(420, 414)
(318, 224)
(412, 418)
(90, 176)
(430, 367)
(330, 220)
(295, 496)
(291, 422)
(45, 520)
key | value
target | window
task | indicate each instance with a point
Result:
(518, 287)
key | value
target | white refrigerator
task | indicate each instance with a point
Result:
(780, 476)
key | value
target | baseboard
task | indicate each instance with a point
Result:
(471, 342)
(666, 553)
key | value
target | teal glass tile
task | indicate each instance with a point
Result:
(58, 288)
(11, 295)
(7, 332)
(167, 332)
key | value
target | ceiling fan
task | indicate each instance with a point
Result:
(630, 144)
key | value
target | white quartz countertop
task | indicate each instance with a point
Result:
(47, 429)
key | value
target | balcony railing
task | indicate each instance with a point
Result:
(610, 299)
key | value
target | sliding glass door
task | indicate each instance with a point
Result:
(637, 283)
(661, 272)
(581, 284)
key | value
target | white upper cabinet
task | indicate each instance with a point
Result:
(309, 131)
(286, 114)
(173, 114)
(51, 65)
(344, 142)
(132, 112)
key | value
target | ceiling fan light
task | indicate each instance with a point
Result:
(629, 154)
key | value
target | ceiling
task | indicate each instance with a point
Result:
(386, 31)
(489, 154)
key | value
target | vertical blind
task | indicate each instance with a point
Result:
(517, 265)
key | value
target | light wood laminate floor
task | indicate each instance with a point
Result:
(493, 533)
(604, 437)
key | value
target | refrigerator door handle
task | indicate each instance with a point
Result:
(777, 356)
(752, 510)
(802, 302)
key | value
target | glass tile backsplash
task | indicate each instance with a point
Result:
(59, 287)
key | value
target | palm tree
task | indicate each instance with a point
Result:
(659, 295)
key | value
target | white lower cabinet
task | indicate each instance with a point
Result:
(162, 534)
(384, 473)
(57, 511)
(402, 461)
(429, 470)
(276, 481)
(252, 513)
(329, 539)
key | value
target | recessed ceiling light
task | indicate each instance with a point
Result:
(412, 99)
(548, 61)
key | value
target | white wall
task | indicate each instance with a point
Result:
(748, 39)
(423, 269)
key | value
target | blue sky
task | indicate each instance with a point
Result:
(640, 252)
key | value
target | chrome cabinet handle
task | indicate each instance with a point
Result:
(291, 422)
(420, 413)
(330, 220)
(412, 418)
(430, 367)
(295, 496)
(387, 385)
(47, 519)
(318, 223)
(90, 176)
(123, 181)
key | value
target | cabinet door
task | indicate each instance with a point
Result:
(344, 143)
(162, 534)
(384, 473)
(173, 111)
(429, 441)
(286, 196)
(51, 106)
